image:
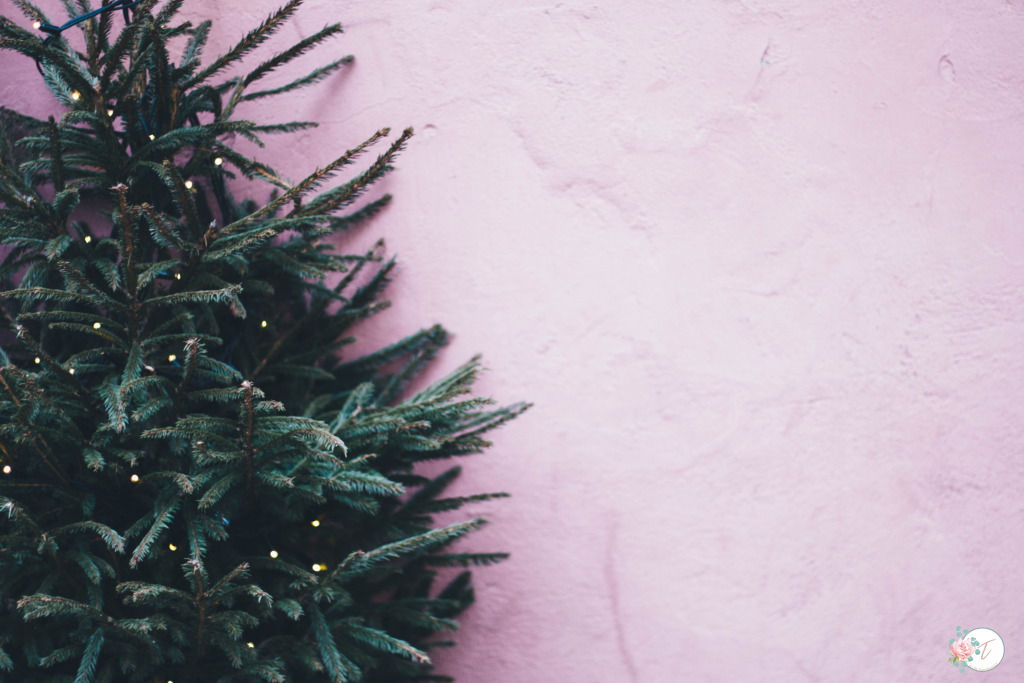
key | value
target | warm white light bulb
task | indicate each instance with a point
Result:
(316, 522)
(273, 553)
(317, 567)
(152, 137)
(71, 371)
(218, 161)
(75, 95)
(172, 547)
(135, 477)
(188, 184)
(37, 24)
(110, 112)
(250, 645)
(88, 238)
(177, 276)
(96, 326)
(37, 360)
(263, 324)
(172, 358)
(7, 469)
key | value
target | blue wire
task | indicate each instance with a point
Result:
(55, 31)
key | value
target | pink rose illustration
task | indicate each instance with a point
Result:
(961, 649)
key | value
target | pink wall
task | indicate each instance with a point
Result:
(759, 263)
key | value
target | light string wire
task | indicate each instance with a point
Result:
(55, 31)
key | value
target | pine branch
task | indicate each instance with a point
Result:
(315, 77)
(291, 53)
(308, 183)
(252, 40)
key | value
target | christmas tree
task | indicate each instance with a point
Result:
(197, 485)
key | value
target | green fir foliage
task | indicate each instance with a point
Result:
(196, 486)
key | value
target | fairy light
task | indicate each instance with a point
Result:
(250, 645)
(177, 276)
(88, 238)
(135, 477)
(188, 184)
(110, 112)
(75, 95)
(273, 553)
(37, 360)
(317, 567)
(263, 324)
(172, 547)
(218, 161)
(71, 371)
(96, 326)
(316, 522)
(7, 469)
(57, 31)
(152, 137)
(172, 358)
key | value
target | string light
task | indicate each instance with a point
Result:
(273, 553)
(172, 358)
(316, 522)
(172, 547)
(135, 477)
(7, 469)
(88, 239)
(96, 326)
(263, 324)
(177, 276)
(218, 161)
(188, 184)
(152, 137)
(37, 360)
(250, 645)
(71, 371)
(56, 31)
(317, 567)
(75, 95)
(110, 112)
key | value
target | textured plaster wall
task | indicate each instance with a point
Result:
(759, 264)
